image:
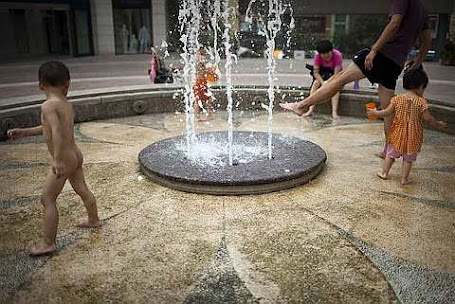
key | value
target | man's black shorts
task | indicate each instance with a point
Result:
(384, 71)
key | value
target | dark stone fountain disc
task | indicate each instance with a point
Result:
(295, 162)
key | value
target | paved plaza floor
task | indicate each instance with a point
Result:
(347, 237)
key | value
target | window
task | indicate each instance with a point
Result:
(131, 26)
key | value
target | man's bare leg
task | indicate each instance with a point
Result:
(52, 188)
(335, 103)
(77, 181)
(385, 95)
(316, 85)
(327, 91)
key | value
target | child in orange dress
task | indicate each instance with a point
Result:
(410, 109)
(201, 92)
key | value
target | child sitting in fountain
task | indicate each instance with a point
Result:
(406, 133)
(203, 99)
(57, 126)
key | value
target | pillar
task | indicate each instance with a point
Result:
(159, 32)
(103, 27)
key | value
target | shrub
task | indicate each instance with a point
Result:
(448, 53)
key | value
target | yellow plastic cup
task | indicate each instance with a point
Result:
(371, 106)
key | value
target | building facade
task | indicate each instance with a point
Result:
(33, 28)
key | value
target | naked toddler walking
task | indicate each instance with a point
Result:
(57, 126)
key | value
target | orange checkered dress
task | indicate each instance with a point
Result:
(406, 134)
(201, 90)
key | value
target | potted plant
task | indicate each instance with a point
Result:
(448, 54)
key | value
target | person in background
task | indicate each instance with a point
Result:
(202, 96)
(328, 62)
(144, 39)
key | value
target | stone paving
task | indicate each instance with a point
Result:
(346, 237)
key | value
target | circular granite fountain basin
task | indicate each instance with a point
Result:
(294, 162)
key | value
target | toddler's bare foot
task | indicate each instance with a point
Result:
(382, 175)
(42, 249)
(335, 116)
(405, 182)
(294, 107)
(89, 223)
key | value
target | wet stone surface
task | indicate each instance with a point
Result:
(345, 237)
(221, 284)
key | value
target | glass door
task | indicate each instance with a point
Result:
(56, 26)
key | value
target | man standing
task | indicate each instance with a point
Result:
(384, 61)
(143, 39)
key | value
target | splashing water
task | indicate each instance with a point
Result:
(214, 55)
(164, 48)
(273, 27)
(291, 26)
(211, 152)
(216, 13)
(228, 66)
(275, 10)
(248, 13)
(190, 20)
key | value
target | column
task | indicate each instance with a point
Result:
(159, 32)
(103, 27)
(452, 27)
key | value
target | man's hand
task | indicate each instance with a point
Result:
(425, 38)
(413, 64)
(59, 169)
(369, 59)
(15, 133)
